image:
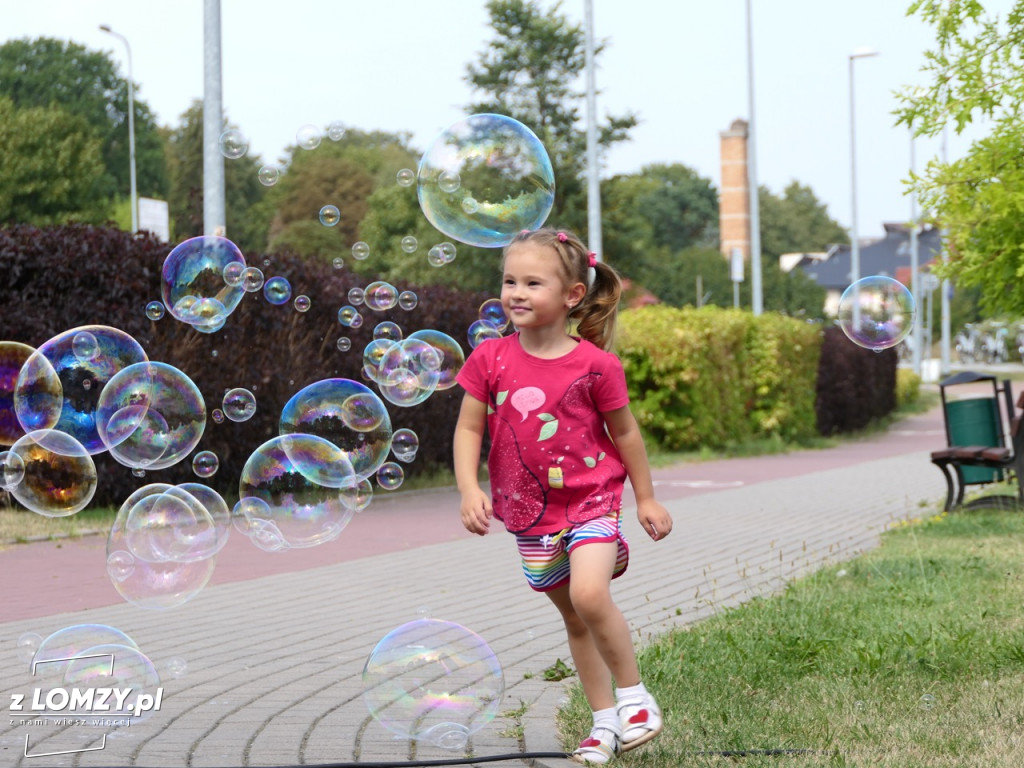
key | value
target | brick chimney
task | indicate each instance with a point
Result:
(734, 197)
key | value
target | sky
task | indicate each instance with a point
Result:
(680, 65)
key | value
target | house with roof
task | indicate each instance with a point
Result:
(888, 255)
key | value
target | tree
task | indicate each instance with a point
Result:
(527, 72)
(795, 222)
(975, 72)
(46, 72)
(51, 165)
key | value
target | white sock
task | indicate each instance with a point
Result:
(633, 690)
(607, 718)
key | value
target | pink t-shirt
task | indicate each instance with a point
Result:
(552, 463)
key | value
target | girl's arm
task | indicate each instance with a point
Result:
(625, 432)
(476, 509)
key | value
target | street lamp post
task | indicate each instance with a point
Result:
(756, 291)
(131, 127)
(860, 53)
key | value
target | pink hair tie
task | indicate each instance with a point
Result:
(591, 259)
(524, 232)
(562, 237)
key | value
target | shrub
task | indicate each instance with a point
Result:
(855, 386)
(908, 387)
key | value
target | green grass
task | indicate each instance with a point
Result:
(18, 524)
(911, 655)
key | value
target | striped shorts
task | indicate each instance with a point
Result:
(546, 558)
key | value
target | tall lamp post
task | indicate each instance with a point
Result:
(860, 53)
(131, 126)
(756, 290)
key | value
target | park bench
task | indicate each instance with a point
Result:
(984, 441)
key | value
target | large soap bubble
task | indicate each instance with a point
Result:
(452, 356)
(58, 389)
(13, 355)
(113, 665)
(59, 474)
(434, 681)
(193, 286)
(484, 179)
(408, 372)
(53, 655)
(876, 312)
(171, 525)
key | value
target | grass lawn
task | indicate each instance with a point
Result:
(911, 655)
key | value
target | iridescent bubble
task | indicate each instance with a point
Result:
(404, 445)
(111, 666)
(409, 244)
(360, 251)
(318, 460)
(493, 312)
(219, 512)
(358, 497)
(408, 372)
(12, 469)
(406, 177)
(876, 312)
(347, 316)
(13, 356)
(239, 404)
(169, 525)
(380, 296)
(363, 412)
(302, 303)
(447, 251)
(501, 165)
(355, 296)
(433, 681)
(390, 476)
(470, 206)
(308, 137)
(337, 262)
(54, 653)
(195, 269)
(252, 279)
(480, 331)
(435, 257)
(344, 343)
(205, 464)
(233, 144)
(387, 330)
(372, 354)
(277, 291)
(320, 409)
(176, 667)
(217, 415)
(268, 175)
(330, 215)
(234, 274)
(84, 346)
(452, 355)
(336, 130)
(407, 300)
(155, 310)
(60, 475)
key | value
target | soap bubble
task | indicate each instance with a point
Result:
(193, 273)
(234, 274)
(323, 409)
(176, 667)
(452, 356)
(27, 645)
(387, 330)
(927, 701)
(84, 346)
(469, 205)
(404, 445)
(217, 415)
(347, 316)
(435, 257)
(302, 303)
(169, 524)
(358, 497)
(407, 300)
(363, 412)
(308, 137)
(155, 310)
(480, 331)
(50, 392)
(356, 295)
(205, 464)
(447, 251)
(338, 263)
(406, 177)
(277, 291)
(114, 666)
(493, 312)
(380, 296)
(336, 130)
(233, 144)
(13, 356)
(239, 404)
(409, 244)
(408, 372)
(53, 654)
(268, 175)
(330, 215)
(372, 354)
(433, 681)
(219, 513)
(876, 312)
(136, 411)
(252, 279)
(360, 251)
(390, 476)
(12, 469)
(344, 343)
(500, 164)
(59, 474)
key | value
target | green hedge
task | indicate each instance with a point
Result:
(715, 377)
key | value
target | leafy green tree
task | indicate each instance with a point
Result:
(52, 167)
(247, 212)
(527, 72)
(795, 222)
(976, 72)
(47, 72)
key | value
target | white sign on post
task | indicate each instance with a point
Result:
(736, 265)
(154, 216)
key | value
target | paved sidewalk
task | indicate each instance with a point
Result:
(274, 662)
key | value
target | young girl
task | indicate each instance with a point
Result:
(563, 442)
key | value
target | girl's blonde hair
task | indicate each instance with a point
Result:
(595, 315)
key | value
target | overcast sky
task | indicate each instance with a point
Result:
(681, 65)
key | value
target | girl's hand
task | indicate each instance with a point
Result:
(476, 511)
(655, 519)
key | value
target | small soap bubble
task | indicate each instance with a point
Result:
(380, 296)
(252, 279)
(268, 175)
(27, 645)
(493, 312)
(448, 251)
(205, 464)
(435, 257)
(470, 205)
(336, 130)
(217, 415)
(480, 331)
(449, 181)
(155, 310)
(390, 476)
(927, 701)
(239, 404)
(387, 330)
(176, 667)
(409, 244)
(308, 137)
(233, 273)
(347, 316)
(12, 470)
(233, 144)
(84, 346)
(407, 300)
(277, 290)
(344, 343)
(355, 296)
(404, 444)
(360, 251)
(406, 177)
(330, 215)
(876, 312)
(338, 263)
(302, 303)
